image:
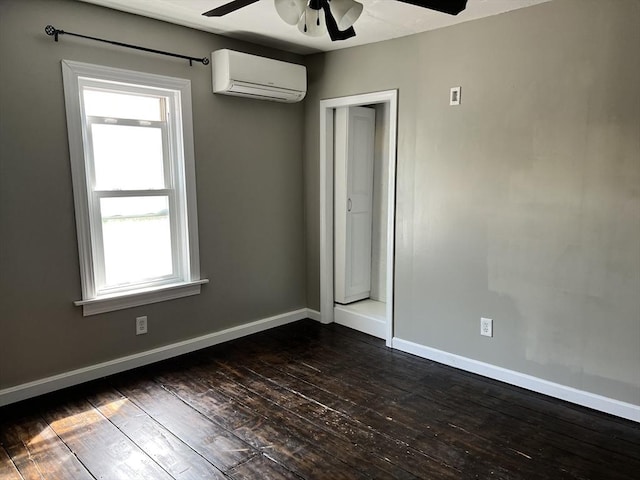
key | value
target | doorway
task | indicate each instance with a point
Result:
(374, 315)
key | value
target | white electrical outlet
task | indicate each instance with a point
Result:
(486, 327)
(141, 325)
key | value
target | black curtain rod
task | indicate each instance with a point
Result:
(54, 32)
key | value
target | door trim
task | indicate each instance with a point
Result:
(390, 97)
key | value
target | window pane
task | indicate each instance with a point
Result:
(121, 105)
(137, 239)
(127, 158)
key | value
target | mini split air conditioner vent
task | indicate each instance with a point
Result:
(244, 75)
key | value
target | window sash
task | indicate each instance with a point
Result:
(177, 251)
(169, 155)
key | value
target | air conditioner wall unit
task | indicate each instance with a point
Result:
(245, 75)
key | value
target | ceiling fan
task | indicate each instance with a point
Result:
(337, 17)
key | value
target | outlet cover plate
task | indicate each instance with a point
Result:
(141, 325)
(486, 327)
(454, 95)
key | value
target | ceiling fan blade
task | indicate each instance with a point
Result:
(452, 7)
(332, 26)
(228, 8)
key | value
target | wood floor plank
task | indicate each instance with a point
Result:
(99, 445)
(561, 448)
(355, 425)
(490, 425)
(264, 468)
(217, 445)
(548, 452)
(344, 440)
(549, 424)
(592, 423)
(439, 429)
(37, 452)
(277, 439)
(168, 451)
(8, 470)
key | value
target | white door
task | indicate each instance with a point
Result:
(353, 202)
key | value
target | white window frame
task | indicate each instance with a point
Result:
(181, 188)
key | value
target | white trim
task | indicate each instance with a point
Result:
(326, 214)
(78, 175)
(93, 372)
(368, 324)
(391, 215)
(389, 97)
(539, 385)
(109, 303)
(314, 315)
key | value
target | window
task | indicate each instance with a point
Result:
(131, 149)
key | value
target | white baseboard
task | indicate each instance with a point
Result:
(314, 315)
(93, 372)
(563, 392)
(359, 321)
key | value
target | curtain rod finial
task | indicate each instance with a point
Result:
(52, 31)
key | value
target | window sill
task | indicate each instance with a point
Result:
(137, 298)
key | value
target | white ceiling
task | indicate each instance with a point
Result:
(259, 23)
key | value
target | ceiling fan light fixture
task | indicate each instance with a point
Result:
(346, 12)
(312, 23)
(290, 11)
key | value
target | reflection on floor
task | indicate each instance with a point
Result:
(368, 316)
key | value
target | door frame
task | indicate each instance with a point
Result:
(389, 97)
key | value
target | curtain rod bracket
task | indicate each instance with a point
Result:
(54, 32)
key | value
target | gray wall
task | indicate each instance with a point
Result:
(523, 203)
(249, 186)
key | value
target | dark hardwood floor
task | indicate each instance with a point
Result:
(309, 401)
